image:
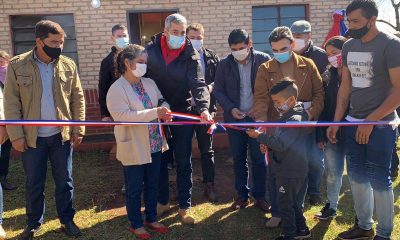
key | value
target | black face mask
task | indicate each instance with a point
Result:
(54, 53)
(357, 33)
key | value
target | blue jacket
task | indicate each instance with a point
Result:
(227, 82)
(288, 145)
(179, 80)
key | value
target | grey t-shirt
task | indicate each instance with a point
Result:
(369, 65)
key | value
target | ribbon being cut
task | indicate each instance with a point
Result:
(196, 120)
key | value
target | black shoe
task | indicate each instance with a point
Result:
(303, 234)
(357, 233)
(315, 200)
(71, 229)
(7, 185)
(326, 213)
(28, 233)
(380, 238)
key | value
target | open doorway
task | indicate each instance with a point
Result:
(145, 24)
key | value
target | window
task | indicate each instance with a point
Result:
(266, 18)
(144, 25)
(23, 32)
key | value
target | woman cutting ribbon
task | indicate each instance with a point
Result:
(134, 98)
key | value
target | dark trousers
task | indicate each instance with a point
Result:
(138, 179)
(5, 158)
(239, 143)
(166, 157)
(204, 142)
(290, 194)
(35, 167)
(272, 193)
(182, 141)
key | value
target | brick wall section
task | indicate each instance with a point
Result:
(93, 26)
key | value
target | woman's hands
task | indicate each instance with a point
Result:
(162, 113)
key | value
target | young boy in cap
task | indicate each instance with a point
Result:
(289, 159)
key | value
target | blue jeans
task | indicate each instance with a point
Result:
(239, 142)
(139, 178)
(35, 167)
(315, 164)
(334, 160)
(369, 174)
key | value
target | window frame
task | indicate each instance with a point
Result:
(41, 16)
(279, 17)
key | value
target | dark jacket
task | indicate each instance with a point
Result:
(179, 79)
(107, 76)
(331, 89)
(318, 55)
(211, 62)
(289, 145)
(227, 82)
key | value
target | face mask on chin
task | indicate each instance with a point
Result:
(358, 33)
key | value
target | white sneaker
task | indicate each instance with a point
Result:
(2, 233)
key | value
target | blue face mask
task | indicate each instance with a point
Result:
(282, 57)
(122, 42)
(176, 42)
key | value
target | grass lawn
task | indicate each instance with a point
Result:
(101, 210)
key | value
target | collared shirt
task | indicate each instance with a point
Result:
(47, 108)
(246, 91)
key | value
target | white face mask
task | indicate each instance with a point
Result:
(299, 44)
(240, 55)
(197, 44)
(141, 69)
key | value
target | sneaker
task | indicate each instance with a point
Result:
(6, 185)
(71, 229)
(2, 233)
(186, 216)
(380, 238)
(326, 213)
(29, 233)
(357, 233)
(315, 200)
(273, 222)
(161, 209)
(303, 234)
